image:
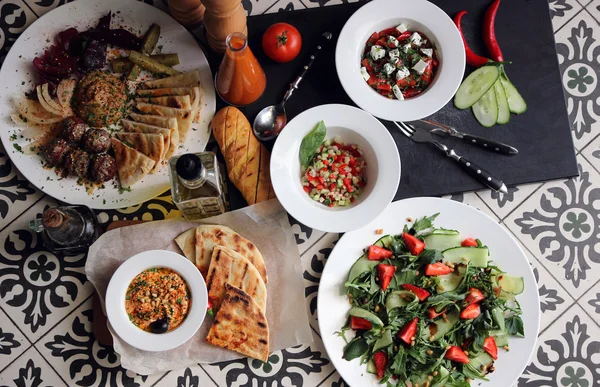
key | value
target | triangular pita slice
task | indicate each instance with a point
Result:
(164, 122)
(188, 79)
(184, 117)
(210, 236)
(195, 94)
(137, 127)
(174, 101)
(240, 325)
(152, 145)
(132, 165)
(187, 243)
(227, 266)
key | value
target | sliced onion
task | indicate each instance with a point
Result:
(50, 101)
(45, 104)
(34, 112)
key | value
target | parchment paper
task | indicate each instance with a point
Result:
(266, 225)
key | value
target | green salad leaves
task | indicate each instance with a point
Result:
(310, 144)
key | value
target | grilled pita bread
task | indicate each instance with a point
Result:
(195, 94)
(174, 101)
(208, 237)
(132, 165)
(227, 266)
(164, 122)
(152, 145)
(136, 127)
(240, 325)
(189, 79)
(264, 176)
(187, 243)
(184, 117)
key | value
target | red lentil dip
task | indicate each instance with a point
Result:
(156, 294)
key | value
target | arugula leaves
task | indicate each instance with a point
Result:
(356, 348)
(514, 326)
(423, 225)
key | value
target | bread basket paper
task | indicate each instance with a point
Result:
(266, 224)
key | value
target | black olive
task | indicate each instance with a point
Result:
(159, 326)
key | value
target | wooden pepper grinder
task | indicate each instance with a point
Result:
(190, 13)
(222, 17)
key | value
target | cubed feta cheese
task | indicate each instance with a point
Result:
(420, 67)
(402, 73)
(394, 53)
(394, 61)
(415, 38)
(364, 73)
(397, 92)
(402, 28)
(427, 51)
(392, 41)
(388, 68)
(377, 52)
(406, 47)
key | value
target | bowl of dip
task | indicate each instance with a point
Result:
(156, 300)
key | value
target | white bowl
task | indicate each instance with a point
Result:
(354, 126)
(418, 15)
(117, 288)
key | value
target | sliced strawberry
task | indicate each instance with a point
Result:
(408, 331)
(376, 253)
(431, 313)
(475, 295)
(489, 345)
(438, 268)
(360, 324)
(421, 294)
(380, 359)
(385, 273)
(469, 242)
(456, 354)
(470, 312)
(414, 244)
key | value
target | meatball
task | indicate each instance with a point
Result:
(72, 130)
(77, 162)
(103, 168)
(55, 152)
(96, 141)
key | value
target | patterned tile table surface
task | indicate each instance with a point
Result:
(46, 304)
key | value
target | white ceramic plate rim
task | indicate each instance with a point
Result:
(390, 13)
(332, 304)
(117, 288)
(285, 155)
(17, 68)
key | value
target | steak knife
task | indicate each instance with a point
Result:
(482, 142)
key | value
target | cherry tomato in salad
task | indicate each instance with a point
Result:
(282, 42)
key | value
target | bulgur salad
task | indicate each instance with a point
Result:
(157, 300)
(332, 172)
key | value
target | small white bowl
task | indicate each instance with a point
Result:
(354, 126)
(117, 288)
(418, 15)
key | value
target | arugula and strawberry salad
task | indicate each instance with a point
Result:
(399, 63)
(430, 308)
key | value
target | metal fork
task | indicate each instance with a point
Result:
(471, 168)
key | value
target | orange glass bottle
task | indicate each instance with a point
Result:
(241, 80)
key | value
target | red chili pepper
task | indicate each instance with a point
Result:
(408, 331)
(489, 32)
(472, 58)
(421, 294)
(358, 323)
(376, 253)
(469, 242)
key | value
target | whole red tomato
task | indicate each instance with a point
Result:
(282, 42)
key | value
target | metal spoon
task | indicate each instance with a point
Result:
(269, 121)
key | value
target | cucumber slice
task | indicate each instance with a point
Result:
(439, 328)
(362, 265)
(500, 337)
(442, 242)
(477, 256)
(480, 362)
(475, 86)
(516, 103)
(363, 313)
(443, 231)
(503, 110)
(371, 367)
(442, 378)
(448, 282)
(498, 316)
(398, 298)
(510, 284)
(486, 109)
(384, 341)
(384, 241)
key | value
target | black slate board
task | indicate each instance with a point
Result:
(524, 30)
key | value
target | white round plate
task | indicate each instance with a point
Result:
(117, 288)
(332, 305)
(418, 15)
(354, 126)
(17, 76)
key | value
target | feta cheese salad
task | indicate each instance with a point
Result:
(332, 172)
(430, 308)
(399, 63)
